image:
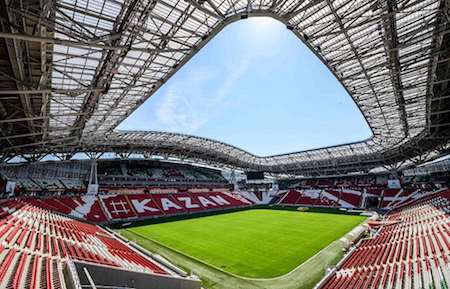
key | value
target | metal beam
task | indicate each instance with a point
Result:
(205, 10)
(83, 44)
(106, 69)
(76, 91)
(36, 117)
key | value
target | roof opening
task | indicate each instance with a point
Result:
(257, 87)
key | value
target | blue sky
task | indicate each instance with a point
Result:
(255, 86)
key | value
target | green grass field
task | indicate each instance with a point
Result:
(253, 243)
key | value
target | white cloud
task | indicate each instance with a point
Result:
(190, 103)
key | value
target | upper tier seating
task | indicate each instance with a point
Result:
(356, 182)
(70, 177)
(36, 243)
(49, 184)
(73, 184)
(412, 250)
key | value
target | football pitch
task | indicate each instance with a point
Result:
(257, 243)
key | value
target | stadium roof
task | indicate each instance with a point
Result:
(71, 71)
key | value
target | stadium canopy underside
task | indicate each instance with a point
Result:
(71, 71)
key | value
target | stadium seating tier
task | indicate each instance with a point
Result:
(411, 250)
(35, 245)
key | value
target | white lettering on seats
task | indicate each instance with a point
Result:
(141, 206)
(205, 202)
(8, 210)
(167, 204)
(82, 210)
(219, 200)
(119, 207)
(188, 202)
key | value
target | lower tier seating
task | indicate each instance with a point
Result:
(344, 197)
(412, 250)
(116, 207)
(35, 243)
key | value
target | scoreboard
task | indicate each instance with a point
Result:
(255, 175)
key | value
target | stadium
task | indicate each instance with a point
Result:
(87, 204)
